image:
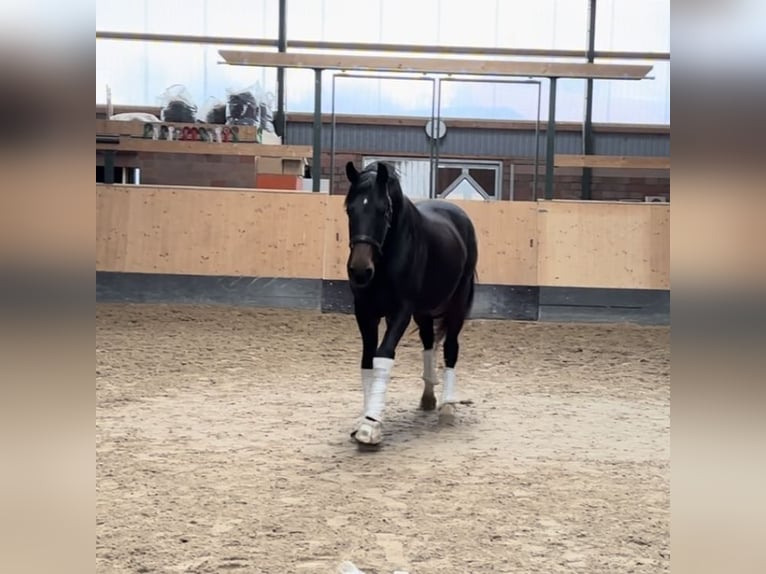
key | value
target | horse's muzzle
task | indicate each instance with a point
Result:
(361, 264)
(361, 277)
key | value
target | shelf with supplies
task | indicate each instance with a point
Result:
(125, 153)
(139, 136)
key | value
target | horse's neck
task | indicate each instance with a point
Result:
(406, 222)
(406, 241)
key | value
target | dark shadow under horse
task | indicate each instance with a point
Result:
(406, 261)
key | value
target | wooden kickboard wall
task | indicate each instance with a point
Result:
(261, 233)
(593, 244)
(204, 231)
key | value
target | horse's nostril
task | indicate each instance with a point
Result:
(361, 276)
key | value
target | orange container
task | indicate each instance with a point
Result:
(278, 181)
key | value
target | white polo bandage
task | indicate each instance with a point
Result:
(448, 390)
(367, 376)
(376, 397)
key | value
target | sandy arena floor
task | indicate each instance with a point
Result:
(222, 446)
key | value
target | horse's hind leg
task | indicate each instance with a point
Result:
(454, 324)
(425, 325)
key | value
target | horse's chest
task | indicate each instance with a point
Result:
(381, 297)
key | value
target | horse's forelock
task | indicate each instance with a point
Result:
(367, 181)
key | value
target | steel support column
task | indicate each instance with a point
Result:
(108, 167)
(550, 136)
(587, 126)
(316, 161)
(280, 123)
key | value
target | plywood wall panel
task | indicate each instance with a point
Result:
(507, 233)
(112, 219)
(215, 232)
(659, 256)
(336, 239)
(218, 231)
(587, 244)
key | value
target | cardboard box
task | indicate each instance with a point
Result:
(270, 165)
(294, 166)
(281, 166)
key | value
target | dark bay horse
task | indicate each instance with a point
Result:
(406, 261)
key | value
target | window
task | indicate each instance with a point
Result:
(463, 180)
(456, 179)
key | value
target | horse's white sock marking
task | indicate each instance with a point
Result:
(376, 397)
(367, 376)
(429, 367)
(448, 390)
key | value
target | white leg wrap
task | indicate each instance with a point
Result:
(448, 390)
(376, 397)
(367, 376)
(429, 367)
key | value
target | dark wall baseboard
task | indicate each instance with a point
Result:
(208, 290)
(490, 301)
(596, 305)
(517, 302)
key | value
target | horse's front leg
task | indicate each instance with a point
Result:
(368, 328)
(370, 430)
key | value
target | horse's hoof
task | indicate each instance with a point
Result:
(368, 432)
(447, 414)
(428, 402)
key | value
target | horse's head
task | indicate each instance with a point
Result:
(369, 209)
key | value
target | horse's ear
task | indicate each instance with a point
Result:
(382, 177)
(351, 173)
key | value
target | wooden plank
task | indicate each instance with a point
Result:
(462, 66)
(203, 231)
(112, 222)
(611, 161)
(225, 148)
(612, 245)
(257, 233)
(506, 232)
(335, 249)
(379, 47)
